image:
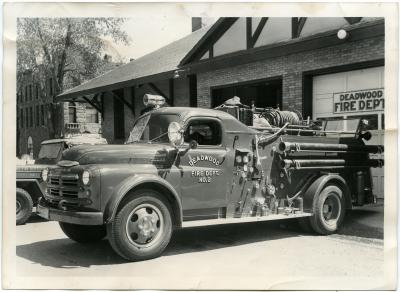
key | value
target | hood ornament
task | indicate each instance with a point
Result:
(67, 163)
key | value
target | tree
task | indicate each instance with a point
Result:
(67, 50)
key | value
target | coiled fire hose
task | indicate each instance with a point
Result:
(279, 118)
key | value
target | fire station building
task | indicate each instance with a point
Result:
(322, 67)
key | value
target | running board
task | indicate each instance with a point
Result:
(207, 222)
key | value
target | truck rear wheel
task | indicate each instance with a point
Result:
(142, 228)
(328, 210)
(24, 206)
(83, 233)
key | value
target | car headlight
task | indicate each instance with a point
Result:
(45, 173)
(85, 177)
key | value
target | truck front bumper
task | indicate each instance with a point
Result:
(73, 217)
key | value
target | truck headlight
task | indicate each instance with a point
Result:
(85, 177)
(45, 173)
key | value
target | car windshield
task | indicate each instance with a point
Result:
(49, 153)
(152, 128)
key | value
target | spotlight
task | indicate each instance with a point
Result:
(342, 34)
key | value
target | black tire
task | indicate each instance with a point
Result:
(142, 228)
(83, 233)
(328, 210)
(24, 206)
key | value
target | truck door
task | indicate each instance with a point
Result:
(204, 181)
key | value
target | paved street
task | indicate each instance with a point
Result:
(267, 255)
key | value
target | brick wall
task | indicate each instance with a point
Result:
(291, 68)
(28, 97)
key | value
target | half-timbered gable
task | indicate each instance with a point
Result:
(238, 34)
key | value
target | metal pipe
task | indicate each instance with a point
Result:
(297, 147)
(329, 163)
(300, 130)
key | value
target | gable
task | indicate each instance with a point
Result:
(233, 40)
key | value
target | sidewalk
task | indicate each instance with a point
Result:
(366, 221)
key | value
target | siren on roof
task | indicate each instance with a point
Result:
(153, 100)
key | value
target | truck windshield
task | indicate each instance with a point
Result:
(153, 127)
(49, 153)
(349, 124)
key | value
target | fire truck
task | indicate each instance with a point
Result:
(185, 167)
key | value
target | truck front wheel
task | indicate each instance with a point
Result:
(24, 206)
(142, 228)
(328, 210)
(83, 233)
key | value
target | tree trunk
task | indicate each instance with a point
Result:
(63, 59)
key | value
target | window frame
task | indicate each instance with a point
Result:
(72, 106)
(31, 117)
(26, 117)
(218, 121)
(89, 108)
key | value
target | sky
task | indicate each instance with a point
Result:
(147, 35)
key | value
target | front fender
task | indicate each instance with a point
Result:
(33, 187)
(132, 182)
(317, 186)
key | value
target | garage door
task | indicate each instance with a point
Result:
(354, 93)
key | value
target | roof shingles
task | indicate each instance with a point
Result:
(163, 60)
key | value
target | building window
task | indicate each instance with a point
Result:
(30, 91)
(72, 112)
(37, 116)
(26, 93)
(26, 118)
(91, 114)
(31, 117)
(37, 91)
(21, 118)
(42, 115)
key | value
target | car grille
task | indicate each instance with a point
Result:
(63, 186)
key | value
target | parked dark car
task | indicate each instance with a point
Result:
(29, 172)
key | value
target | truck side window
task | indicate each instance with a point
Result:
(204, 132)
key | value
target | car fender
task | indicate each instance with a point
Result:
(317, 186)
(132, 182)
(36, 190)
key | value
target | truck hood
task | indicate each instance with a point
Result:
(114, 154)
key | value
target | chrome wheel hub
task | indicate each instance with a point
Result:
(331, 208)
(144, 225)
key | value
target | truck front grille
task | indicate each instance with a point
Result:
(63, 186)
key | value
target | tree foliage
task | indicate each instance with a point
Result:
(66, 47)
(68, 50)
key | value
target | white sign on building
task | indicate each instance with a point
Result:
(359, 101)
